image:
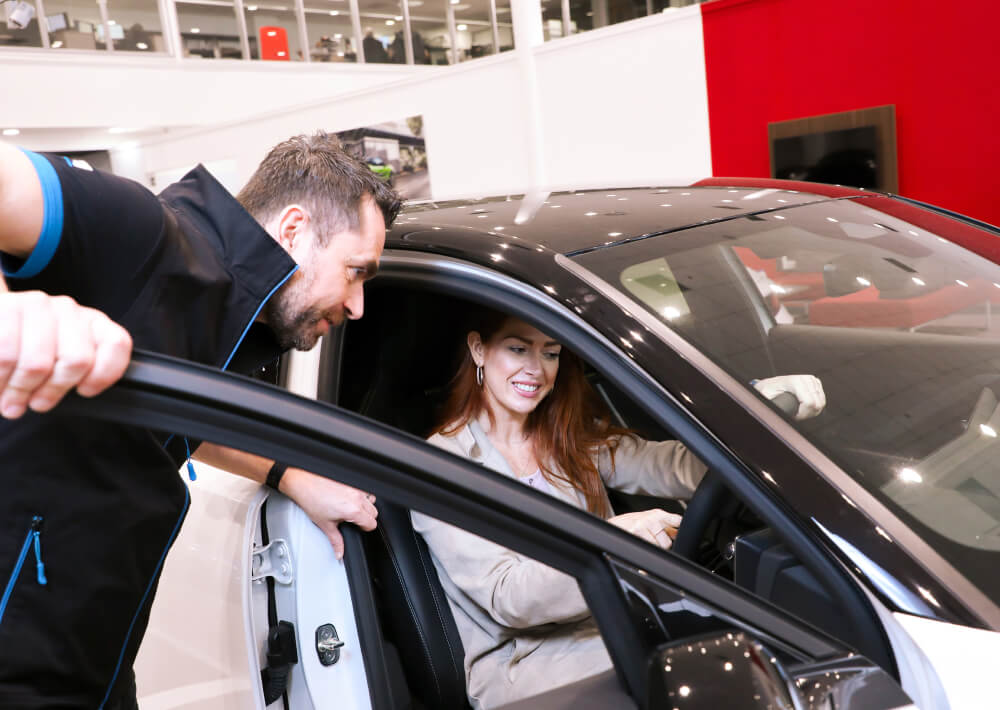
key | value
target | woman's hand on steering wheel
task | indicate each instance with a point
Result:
(656, 526)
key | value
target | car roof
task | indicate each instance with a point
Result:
(572, 221)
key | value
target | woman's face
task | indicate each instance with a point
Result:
(519, 364)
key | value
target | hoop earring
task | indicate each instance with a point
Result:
(479, 375)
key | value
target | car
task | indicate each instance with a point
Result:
(841, 561)
(381, 168)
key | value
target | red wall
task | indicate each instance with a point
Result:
(938, 62)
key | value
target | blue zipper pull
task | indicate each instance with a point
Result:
(36, 534)
(190, 466)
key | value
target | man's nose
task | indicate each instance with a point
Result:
(354, 306)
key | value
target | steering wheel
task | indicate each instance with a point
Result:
(708, 500)
(712, 496)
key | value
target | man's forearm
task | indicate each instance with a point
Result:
(234, 461)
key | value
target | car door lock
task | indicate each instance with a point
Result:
(328, 644)
(272, 560)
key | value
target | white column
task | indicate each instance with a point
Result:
(43, 23)
(300, 18)
(109, 44)
(493, 26)
(600, 10)
(526, 16)
(170, 29)
(359, 45)
(452, 34)
(241, 26)
(407, 32)
(566, 17)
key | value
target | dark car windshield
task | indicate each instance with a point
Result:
(894, 318)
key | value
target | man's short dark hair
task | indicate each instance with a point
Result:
(317, 172)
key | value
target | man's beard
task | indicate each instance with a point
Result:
(293, 326)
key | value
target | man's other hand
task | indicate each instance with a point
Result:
(52, 344)
(328, 503)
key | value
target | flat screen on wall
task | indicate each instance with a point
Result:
(57, 22)
(852, 148)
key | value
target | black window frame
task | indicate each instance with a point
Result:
(470, 282)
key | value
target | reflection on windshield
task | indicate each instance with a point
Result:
(895, 320)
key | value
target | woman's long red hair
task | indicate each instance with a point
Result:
(567, 429)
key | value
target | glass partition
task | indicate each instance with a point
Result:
(209, 29)
(473, 29)
(505, 29)
(330, 32)
(22, 30)
(135, 25)
(72, 24)
(382, 27)
(273, 32)
(590, 14)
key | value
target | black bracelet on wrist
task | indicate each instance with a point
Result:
(274, 475)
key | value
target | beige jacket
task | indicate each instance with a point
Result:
(525, 627)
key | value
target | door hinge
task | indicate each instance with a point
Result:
(272, 560)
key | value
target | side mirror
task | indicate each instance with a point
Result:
(715, 671)
(733, 670)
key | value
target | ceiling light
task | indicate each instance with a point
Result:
(988, 431)
(614, 234)
(908, 475)
(398, 18)
(919, 281)
(334, 13)
(196, 30)
(390, 22)
(11, 131)
(863, 281)
(139, 45)
(462, 28)
(58, 43)
(112, 22)
(253, 8)
(338, 36)
(594, 214)
(666, 205)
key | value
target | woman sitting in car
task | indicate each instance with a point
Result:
(520, 405)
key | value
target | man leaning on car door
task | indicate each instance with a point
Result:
(94, 265)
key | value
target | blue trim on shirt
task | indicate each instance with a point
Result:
(257, 313)
(149, 587)
(52, 222)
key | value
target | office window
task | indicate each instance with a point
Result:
(273, 32)
(473, 30)
(209, 29)
(134, 25)
(429, 18)
(72, 24)
(505, 29)
(22, 29)
(330, 33)
(382, 30)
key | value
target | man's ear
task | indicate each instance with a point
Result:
(475, 343)
(292, 222)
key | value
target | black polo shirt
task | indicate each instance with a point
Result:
(90, 508)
